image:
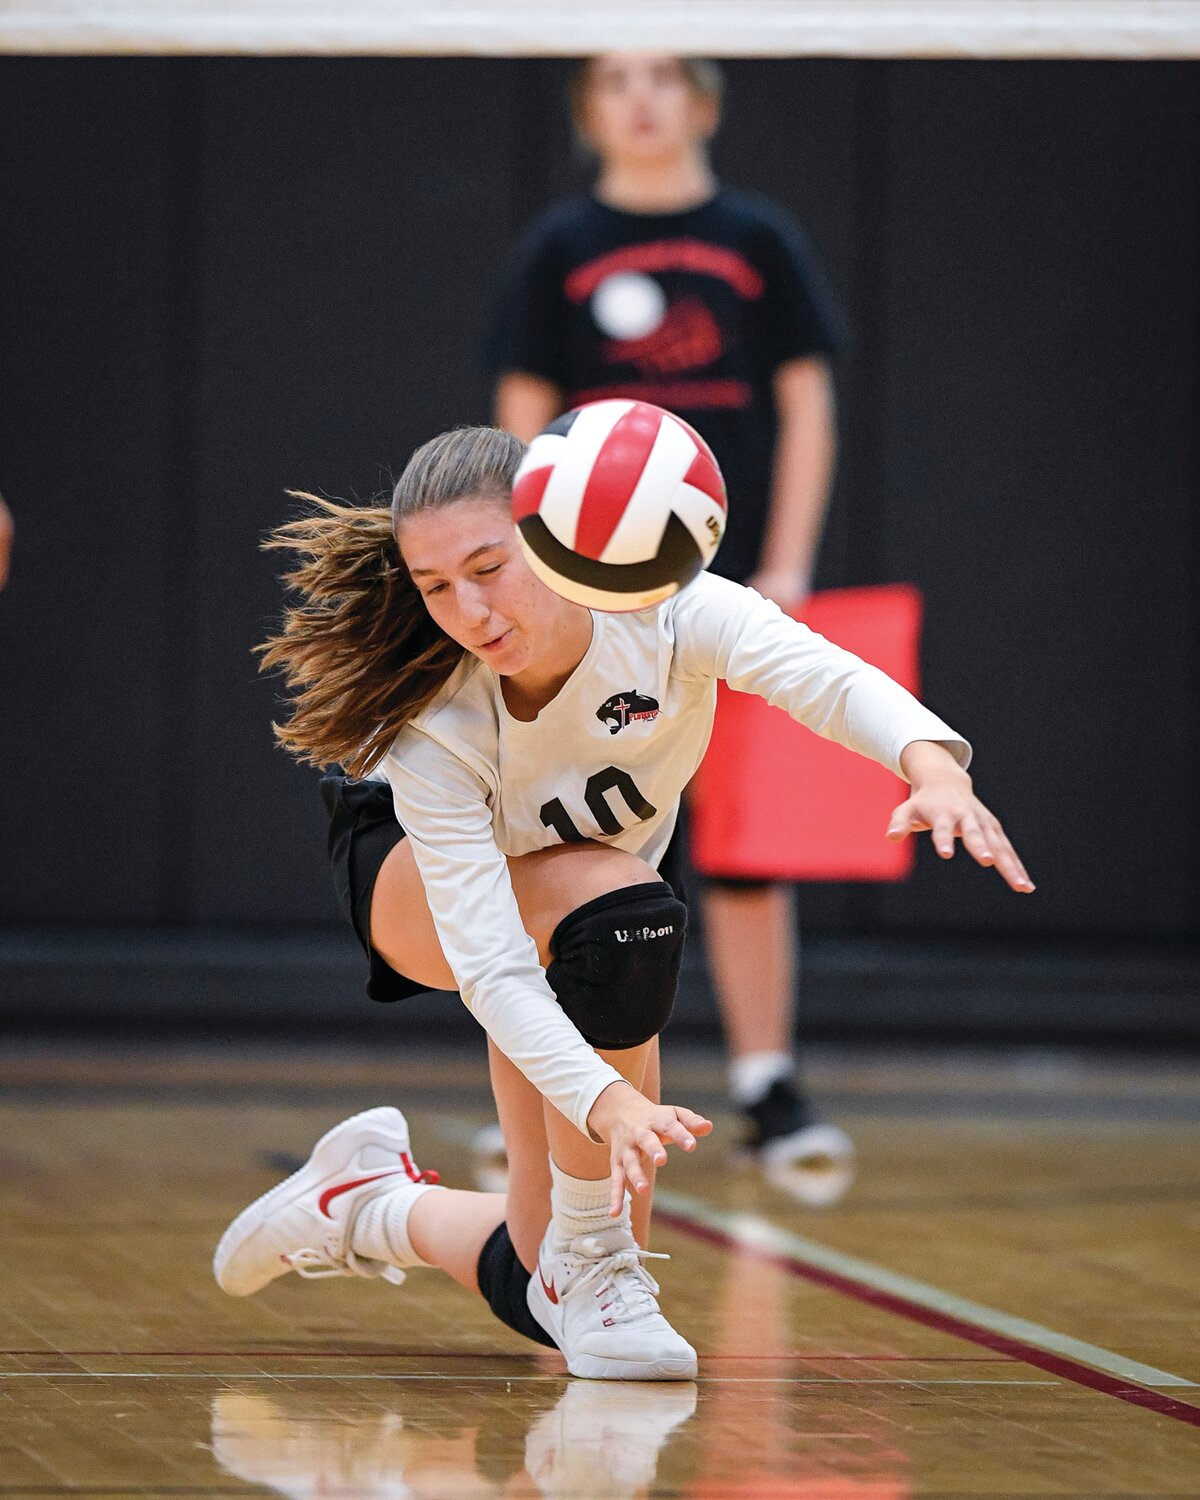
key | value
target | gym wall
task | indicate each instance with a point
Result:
(225, 277)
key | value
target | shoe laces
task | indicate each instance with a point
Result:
(618, 1277)
(315, 1265)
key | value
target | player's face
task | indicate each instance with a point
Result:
(641, 108)
(468, 566)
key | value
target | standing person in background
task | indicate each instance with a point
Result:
(662, 285)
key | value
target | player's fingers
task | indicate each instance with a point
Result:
(632, 1173)
(976, 841)
(697, 1124)
(943, 835)
(677, 1135)
(901, 823)
(1010, 866)
(1017, 877)
(653, 1154)
(1008, 861)
(616, 1197)
(677, 1131)
(635, 1172)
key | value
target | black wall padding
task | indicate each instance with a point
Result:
(220, 278)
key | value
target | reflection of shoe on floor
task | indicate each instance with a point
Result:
(599, 1304)
(304, 1456)
(809, 1157)
(817, 1186)
(305, 1223)
(489, 1159)
(604, 1438)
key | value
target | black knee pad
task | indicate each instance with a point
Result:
(616, 964)
(503, 1281)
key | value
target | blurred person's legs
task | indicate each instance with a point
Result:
(750, 935)
(752, 955)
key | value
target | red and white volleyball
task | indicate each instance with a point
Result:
(618, 505)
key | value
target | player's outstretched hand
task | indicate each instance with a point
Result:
(638, 1133)
(943, 802)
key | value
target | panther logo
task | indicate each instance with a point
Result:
(623, 709)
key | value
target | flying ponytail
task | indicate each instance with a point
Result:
(360, 653)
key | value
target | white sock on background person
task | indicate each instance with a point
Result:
(579, 1205)
(752, 1074)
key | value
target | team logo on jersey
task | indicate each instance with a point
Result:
(623, 709)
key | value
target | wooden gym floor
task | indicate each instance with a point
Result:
(1006, 1303)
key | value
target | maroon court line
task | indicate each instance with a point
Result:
(1000, 1343)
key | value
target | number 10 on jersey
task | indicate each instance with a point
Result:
(611, 779)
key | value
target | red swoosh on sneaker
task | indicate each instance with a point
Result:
(547, 1286)
(330, 1194)
(414, 1172)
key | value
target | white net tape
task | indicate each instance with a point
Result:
(720, 28)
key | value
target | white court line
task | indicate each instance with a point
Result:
(760, 1234)
(468, 1379)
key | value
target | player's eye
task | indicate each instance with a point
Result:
(435, 588)
(495, 568)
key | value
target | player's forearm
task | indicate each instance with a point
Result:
(805, 451)
(541, 1042)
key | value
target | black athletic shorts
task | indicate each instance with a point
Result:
(362, 833)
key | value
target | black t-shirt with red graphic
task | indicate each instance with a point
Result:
(693, 311)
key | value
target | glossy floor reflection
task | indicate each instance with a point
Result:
(1004, 1304)
(571, 1438)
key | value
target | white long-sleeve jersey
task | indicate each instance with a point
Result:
(606, 759)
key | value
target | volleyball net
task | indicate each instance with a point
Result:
(1115, 29)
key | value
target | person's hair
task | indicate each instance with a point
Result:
(704, 77)
(360, 652)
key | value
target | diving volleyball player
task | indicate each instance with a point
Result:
(492, 832)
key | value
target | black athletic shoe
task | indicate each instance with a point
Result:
(787, 1135)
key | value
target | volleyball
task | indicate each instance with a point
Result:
(618, 505)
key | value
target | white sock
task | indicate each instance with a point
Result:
(579, 1205)
(752, 1074)
(380, 1229)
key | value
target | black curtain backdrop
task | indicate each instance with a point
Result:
(220, 278)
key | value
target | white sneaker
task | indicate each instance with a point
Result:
(597, 1302)
(605, 1439)
(304, 1223)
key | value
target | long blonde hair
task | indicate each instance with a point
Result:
(360, 653)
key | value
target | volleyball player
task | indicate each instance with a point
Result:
(494, 835)
(664, 285)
